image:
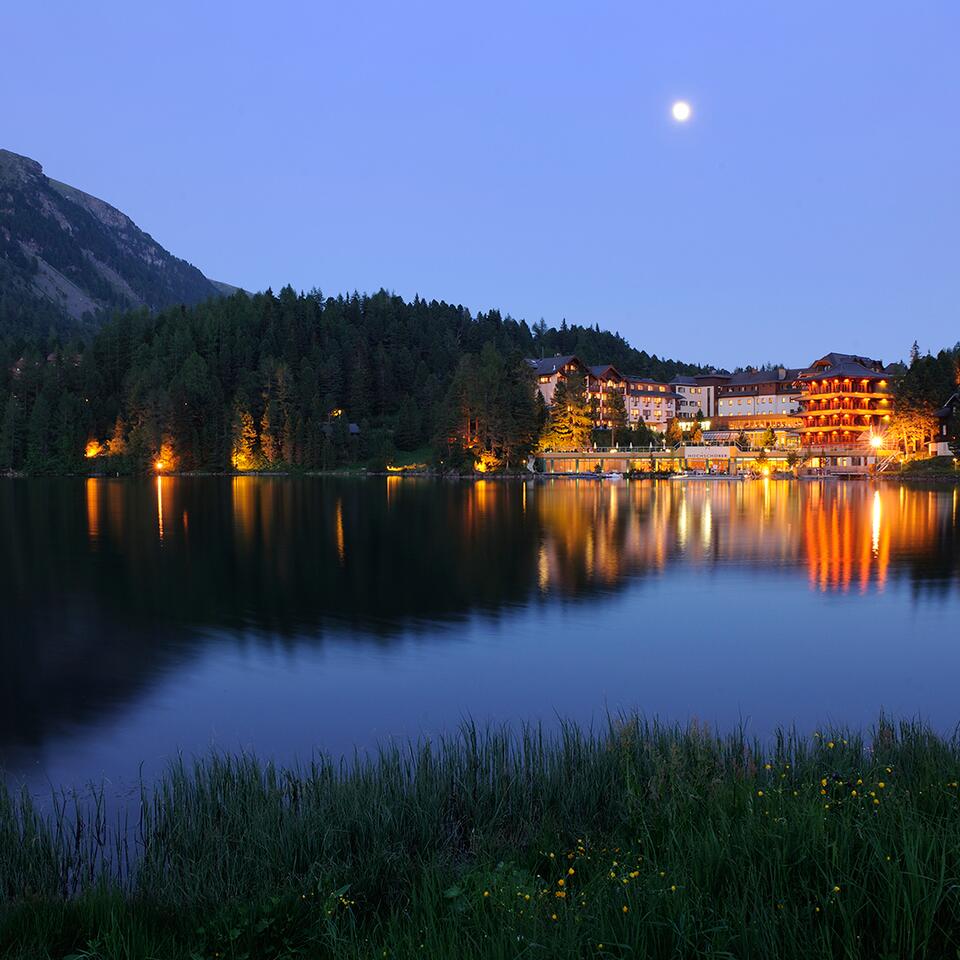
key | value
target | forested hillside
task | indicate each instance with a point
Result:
(268, 380)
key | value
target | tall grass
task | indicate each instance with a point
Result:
(634, 841)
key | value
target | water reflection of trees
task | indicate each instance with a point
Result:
(106, 583)
(284, 556)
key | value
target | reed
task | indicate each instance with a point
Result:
(636, 840)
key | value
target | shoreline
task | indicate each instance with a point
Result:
(672, 840)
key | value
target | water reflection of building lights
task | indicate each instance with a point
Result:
(682, 524)
(876, 513)
(706, 524)
(543, 569)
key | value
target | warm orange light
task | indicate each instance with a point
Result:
(159, 465)
(876, 441)
(93, 449)
(486, 463)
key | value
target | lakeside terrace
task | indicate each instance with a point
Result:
(721, 460)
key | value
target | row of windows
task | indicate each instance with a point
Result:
(782, 401)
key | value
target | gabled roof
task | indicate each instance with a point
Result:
(953, 403)
(601, 370)
(547, 366)
(851, 368)
(684, 381)
(832, 360)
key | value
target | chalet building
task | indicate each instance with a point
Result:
(940, 445)
(602, 381)
(644, 399)
(549, 371)
(846, 400)
(648, 400)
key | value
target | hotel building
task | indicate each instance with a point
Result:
(549, 371)
(772, 394)
(846, 400)
(644, 399)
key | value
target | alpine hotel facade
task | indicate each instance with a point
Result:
(840, 400)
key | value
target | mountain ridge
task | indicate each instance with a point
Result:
(68, 258)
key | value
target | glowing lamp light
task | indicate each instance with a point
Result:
(159, 465)
(876, 441)
(93, 449)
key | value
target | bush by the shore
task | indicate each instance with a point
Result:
(637, 841)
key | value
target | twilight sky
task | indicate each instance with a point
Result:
(522, 156)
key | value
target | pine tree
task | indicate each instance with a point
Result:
(569, 422)
(243, 445)
(38, 439)
(117, 444)
(616, 411)
(10, 435)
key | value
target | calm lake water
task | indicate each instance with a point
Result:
(143, 618)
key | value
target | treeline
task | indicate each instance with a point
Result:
(286, 380)
(924, 387)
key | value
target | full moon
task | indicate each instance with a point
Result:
(681, 111)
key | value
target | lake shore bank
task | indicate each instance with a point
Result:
(635, 840)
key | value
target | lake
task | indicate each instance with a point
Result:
(287, 616)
